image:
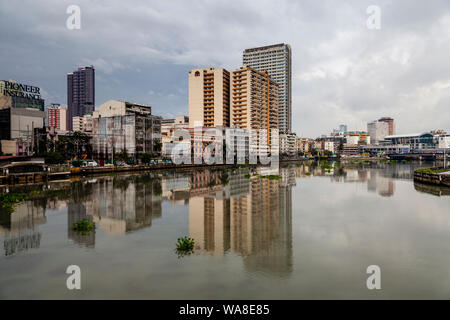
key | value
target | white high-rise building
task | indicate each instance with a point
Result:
(276, 60)
(377, 131)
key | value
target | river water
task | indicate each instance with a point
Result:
(309, 235)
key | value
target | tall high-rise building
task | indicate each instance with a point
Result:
(254, 100)
(377, 131)
(57, 117)
(209, 97)
(80, 93)
(276, 60)
(390, 123)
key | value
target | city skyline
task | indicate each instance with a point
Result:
(342, 71)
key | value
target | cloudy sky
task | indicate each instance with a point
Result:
(343, 72)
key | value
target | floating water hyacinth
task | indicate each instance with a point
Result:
(185, 246)
(83, 226)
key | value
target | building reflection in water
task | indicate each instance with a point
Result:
(123, 204)
(380, 178)
(251, 217)
(20, 228)
(77, 212)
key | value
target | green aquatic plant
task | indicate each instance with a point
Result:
(83, 226)
(431, 170)
(326, 166)
(271, 177)
(185, 246)
(9, 200)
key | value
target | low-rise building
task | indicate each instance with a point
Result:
(288, 144)
(329, 146)
(420, 141)
(168, 128)
(124, 126)
(303, 145)
(363, 137)
(350, 150)
(83, 123)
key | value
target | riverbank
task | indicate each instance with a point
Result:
(60, 173)
(436, 176)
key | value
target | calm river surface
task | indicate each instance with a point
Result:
(310, 235)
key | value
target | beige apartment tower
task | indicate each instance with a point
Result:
(254, 100)
(209, 97)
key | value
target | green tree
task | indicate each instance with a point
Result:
(74, 144)
(327, 153)
(146, 157)
(158, 146)
(121, 156)
(53, 158)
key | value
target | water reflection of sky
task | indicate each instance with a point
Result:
(310, 234)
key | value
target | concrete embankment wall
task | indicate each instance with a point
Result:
(432, 178)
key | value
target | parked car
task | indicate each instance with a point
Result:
(90, 163)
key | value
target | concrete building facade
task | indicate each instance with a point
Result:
(276, 60)
(21, 111)
(209, 97)
(124, 126)
(254, 103)
(378, 130)
(391, 124)
(83, 123)
(57, 118)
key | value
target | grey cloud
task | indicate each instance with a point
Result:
(343, 72)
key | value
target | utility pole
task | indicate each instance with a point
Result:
(445, 158)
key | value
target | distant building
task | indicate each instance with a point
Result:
(83, 124)
(209, 97)
(304, 145)
(254, 104)
(21, 111)
(419, 141)
(80, 93)
(57, 118)
(276, 60)
(47, 138)
(363, 137)
(168, 128)
(378, 130)
(390, 123)
(124, 126)
(352, 140)
(350, 150)
(339, 131)
(416, 142)
(329, 146)
(288, 144)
